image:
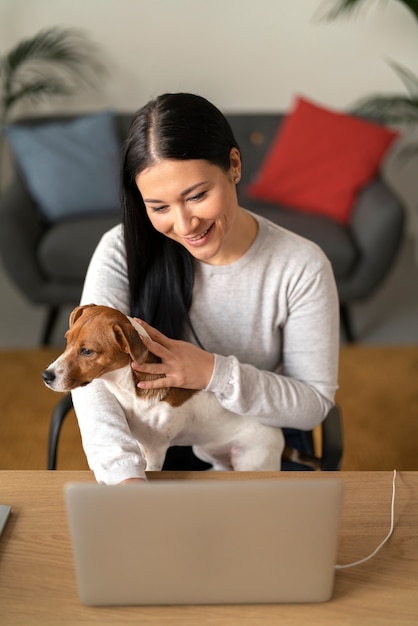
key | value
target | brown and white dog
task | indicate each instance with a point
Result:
(102, 343)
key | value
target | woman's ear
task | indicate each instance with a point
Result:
(235, 164)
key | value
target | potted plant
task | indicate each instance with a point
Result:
(54, 62)
(391, 108)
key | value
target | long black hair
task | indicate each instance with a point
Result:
(178, 126)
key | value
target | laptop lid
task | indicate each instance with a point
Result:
(205, 541)
(5, 511)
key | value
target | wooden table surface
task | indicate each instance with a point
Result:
(37, 582)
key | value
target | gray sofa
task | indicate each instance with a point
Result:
(47, 260)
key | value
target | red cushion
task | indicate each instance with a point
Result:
(319, 161)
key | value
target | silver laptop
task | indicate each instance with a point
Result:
(205, 541)
(5, 511)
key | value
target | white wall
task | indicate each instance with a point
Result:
(242, 54)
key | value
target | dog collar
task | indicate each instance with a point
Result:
(140, 329)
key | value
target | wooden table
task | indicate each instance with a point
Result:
(37, 583)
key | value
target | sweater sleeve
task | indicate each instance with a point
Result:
(112, 452)
(301, 391)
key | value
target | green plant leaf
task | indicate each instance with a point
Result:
(52, 62)
(36, 90)
(409, 79)
(389, 108)
(343, 7)
(349, 7)
(63, 46)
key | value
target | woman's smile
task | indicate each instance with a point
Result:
(199, 239)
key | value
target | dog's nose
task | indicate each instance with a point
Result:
(48, 376)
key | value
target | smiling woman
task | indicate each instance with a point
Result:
(233, 303)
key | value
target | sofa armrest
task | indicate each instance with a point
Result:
(20, 232)
(377, 227)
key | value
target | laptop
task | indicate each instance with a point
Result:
(205, 541)
(5, 511)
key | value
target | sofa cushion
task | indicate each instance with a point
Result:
(319, 160)
(70, 167)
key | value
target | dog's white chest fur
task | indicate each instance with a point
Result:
(225, 439)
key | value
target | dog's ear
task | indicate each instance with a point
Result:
(77, 312)
(130, 341)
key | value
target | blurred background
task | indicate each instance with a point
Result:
(245, 56)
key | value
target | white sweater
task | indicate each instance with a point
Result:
(272, 321)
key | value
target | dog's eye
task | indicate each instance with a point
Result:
(86, 352)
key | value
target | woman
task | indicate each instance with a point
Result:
(233, 303)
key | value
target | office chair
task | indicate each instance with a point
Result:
(182, 457)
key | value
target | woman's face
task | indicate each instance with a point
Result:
(195, 203)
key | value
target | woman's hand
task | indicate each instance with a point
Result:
(182, 364)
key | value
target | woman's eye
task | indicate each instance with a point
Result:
(158, 209)
(198, 196)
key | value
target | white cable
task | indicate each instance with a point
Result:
(392, 523)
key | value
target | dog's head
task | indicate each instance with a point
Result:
(99, 340)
